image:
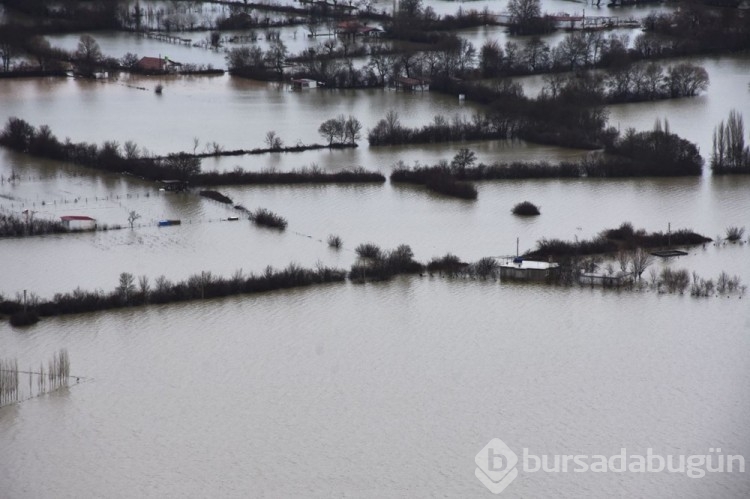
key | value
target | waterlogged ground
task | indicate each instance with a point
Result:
(386, 214)
(360, 390)
(383, 213)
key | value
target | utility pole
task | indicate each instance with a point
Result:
(669, 234)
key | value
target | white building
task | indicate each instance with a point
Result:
(518, 268)
(78, 222)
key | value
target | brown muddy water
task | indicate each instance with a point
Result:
(370, 390)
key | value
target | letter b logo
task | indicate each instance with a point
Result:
(496, 466)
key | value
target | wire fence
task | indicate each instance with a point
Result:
(55, 376)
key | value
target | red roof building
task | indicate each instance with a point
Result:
(78, 222)
(152, 64)
(68, 218)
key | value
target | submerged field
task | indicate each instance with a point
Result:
(381, 389)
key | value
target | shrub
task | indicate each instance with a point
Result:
(623, 232)
(735, 233)
(448, 263)
(15, 226)
(675, 280)
(485, 267)
(612, 240)
(334, 241)
(657, 153)
(383, 265)
(24, 318)
(446, 184)
(267, 218)
(526, 208)
(369, 250)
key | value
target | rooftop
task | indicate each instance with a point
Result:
(151, 64)
(68, 218)
(526, 264)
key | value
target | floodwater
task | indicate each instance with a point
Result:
(236, 113)
(382, 390)
(374, 390)
(295, 37)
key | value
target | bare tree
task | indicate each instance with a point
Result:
(410, 8)
(332, 129)
(573, 50)
(640, 260)
(554, 84)
(623, 259)
(132, 217)
(40, 48)
(88, 52)
(144, 287)
(131, 150)
(238, 277)
(273, 141)
(686, 79)
(184, 165)
(465, 158)
(523, 13)
(126, 287)
(381, 64)
(490, 58)
(10, 36)
(392, 121)
(276, 55)
(729, 148)
(650, 81)
(162, 285)
(200, 281)
(352, 130)
(536, 54)
(312, 27)
(330, 46)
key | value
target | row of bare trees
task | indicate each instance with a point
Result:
(730, 154)
(341, 130)
(54, 377)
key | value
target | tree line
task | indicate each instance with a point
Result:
(373, 264)
(730, 154)
(20, 136)
(15, 226)
(623, 238)
(655, 153)
(132, 291)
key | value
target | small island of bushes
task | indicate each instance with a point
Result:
(526, 209)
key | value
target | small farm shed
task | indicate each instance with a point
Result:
(78, 222)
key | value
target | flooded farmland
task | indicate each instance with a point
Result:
(384, 389)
